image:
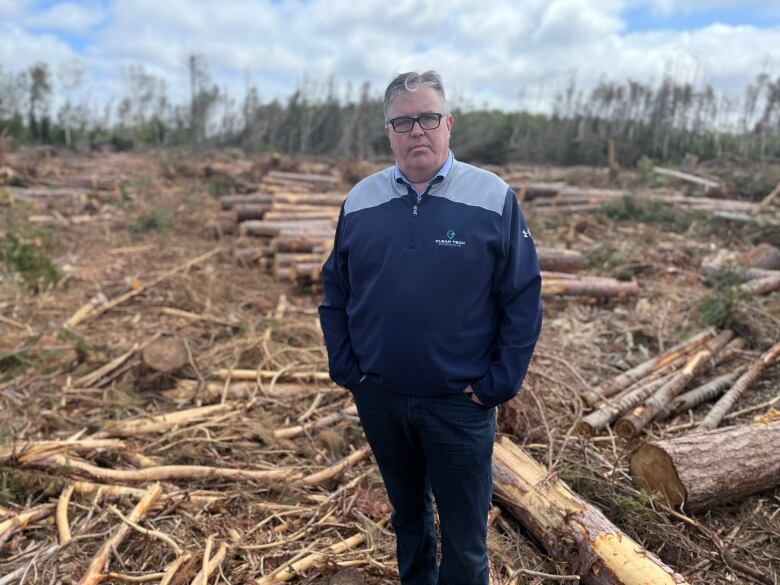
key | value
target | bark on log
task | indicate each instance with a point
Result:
(300, 244)
(745, 381)
(589, 288)
(569, 528)
(246, 211)
(705, 392)
(326, 213)
(631, 424)
(304, 177)
(762, 286)
(764, 256)
(703, 469)
(324, 199)
(560, 260)
(598, 419)
(230, 201)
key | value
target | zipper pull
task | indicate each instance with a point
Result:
(414, 210)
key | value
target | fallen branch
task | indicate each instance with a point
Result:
(95, 308)
(338, 468)
(632, 423)
(99, 565)
(63, 528)
(326, 421)
(745, 381)
(71, 466)
(294, 569)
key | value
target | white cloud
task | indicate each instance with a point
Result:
(485, 54)
(67, 16)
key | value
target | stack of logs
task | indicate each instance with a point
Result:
(555, 197)
(291, 234)
(653, 390)
(286, 228)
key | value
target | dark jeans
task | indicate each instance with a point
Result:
(438, 446)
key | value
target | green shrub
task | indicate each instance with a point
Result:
(221, 186)
(157, 220)
(716, 308)
(30, 262)
(645, 167)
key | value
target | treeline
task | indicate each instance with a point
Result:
(324, 119)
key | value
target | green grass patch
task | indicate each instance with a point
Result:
(221, 186)
(156, 220)
(716, 308)
(30, 261)
(633, 208)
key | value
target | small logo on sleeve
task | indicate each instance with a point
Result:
(527, 233)
(450, 241)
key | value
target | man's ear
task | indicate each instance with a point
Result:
(387, 131)
(449, 121)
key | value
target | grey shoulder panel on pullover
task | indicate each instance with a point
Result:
(470, 185)
(464, 184)
(372, 191)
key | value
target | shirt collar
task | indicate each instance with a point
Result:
(440, 175)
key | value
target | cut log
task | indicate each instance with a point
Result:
(705, 392)
(560, 260)
(745, 381)
(166, 355)
(703, 469)
(762, 286)
(631, 424)
(589, 287)
(764, 256)
(324, 213)
(244, 211)
(600, 418)
(569, 528)
(230, 201)
(636, 373)
(706, 183)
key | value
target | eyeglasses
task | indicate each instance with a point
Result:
(427, 121)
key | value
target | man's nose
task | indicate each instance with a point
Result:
(417, 129)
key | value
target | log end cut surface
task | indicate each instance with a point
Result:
(655, 470)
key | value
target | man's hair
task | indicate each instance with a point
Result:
(413, 81)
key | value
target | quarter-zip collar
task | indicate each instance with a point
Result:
(441, 174)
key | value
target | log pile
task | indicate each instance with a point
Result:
(287, 234)
(653, 390)
(559, 197)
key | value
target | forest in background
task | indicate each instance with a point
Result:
(664, 122)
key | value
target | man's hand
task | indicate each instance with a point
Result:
(473, 395)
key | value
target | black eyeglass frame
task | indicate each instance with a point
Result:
(416, 120)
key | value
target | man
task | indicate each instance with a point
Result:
(431, 313)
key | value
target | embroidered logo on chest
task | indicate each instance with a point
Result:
(450, 241)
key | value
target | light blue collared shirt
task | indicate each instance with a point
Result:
(399, 176)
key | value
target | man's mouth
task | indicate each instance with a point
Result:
(418, 147)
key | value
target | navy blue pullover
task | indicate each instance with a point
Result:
(428, 298)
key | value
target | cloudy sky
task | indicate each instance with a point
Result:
(501, 53)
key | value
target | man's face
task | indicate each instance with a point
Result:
(419, 153)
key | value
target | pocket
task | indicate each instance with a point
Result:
(475, 404)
